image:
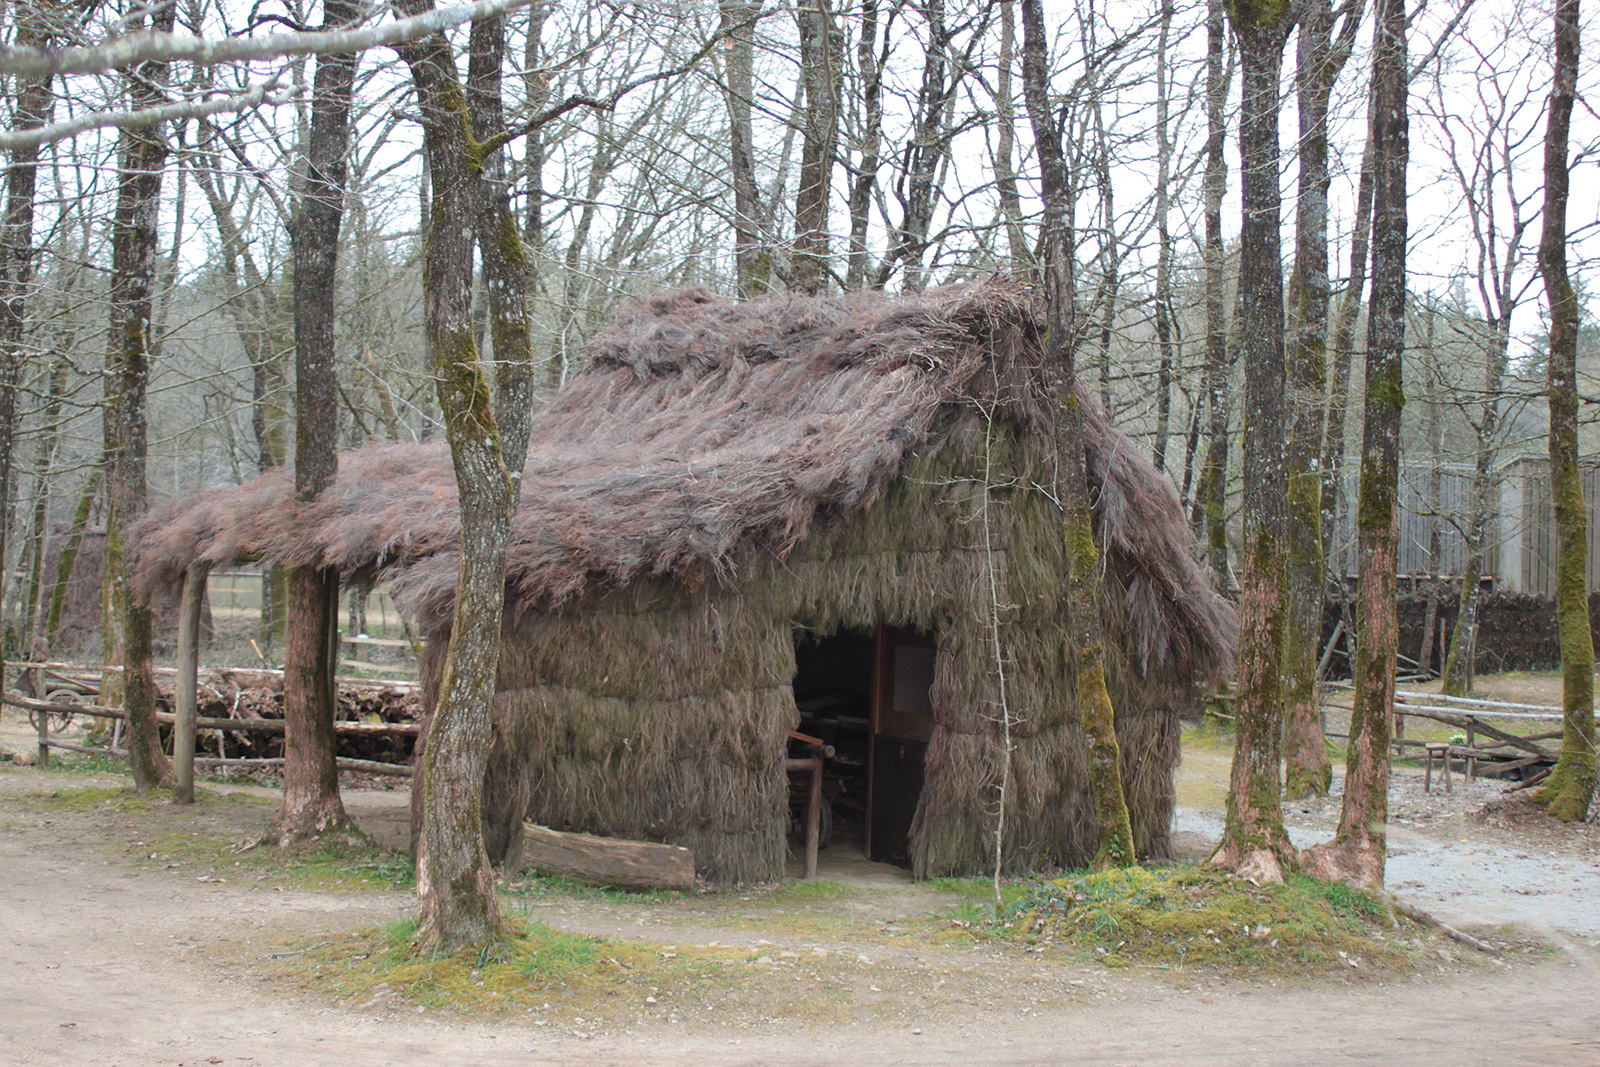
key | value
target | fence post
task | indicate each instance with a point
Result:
(188, 683)
(43, 719)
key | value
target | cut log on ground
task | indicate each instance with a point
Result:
(607, 861)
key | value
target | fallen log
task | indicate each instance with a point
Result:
(1505, 768)
(606, 860)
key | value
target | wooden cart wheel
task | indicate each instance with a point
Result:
(57, 721)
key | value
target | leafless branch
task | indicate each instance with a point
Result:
(253, 97)
(204, 51)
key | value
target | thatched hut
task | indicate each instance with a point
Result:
(862, 478)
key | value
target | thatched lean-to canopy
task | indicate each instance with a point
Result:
(724, 475)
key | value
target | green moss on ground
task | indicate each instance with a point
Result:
(1186, 916)
(540, 970)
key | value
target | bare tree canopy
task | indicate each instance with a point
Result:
(128, 49)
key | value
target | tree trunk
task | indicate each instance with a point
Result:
(822, 69)
(1356, 853)
(1254, 843)
(1459, 667)
(1344, 332)
(739, 63)
(33, 102)
(454, 879)
(1569, 791)
(505, 261)
(1432, 433)
(1163, 296)
(1213, 491)
(133, 270)
(1005, 175)
(312, 808)
(69, 551)
(33, 621)
(1082, 603)
(869, 68)
(1307, 772)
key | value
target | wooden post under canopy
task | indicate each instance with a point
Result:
(188, 683)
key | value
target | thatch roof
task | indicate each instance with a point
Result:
(701, 432)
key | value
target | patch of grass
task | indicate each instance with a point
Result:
(537, 970)
(85, 763)
(977, 894)
(816, 889)
(1186, 916)
(330, 866)
(88, 797)
(550, 955)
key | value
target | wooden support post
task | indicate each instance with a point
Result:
(813, 765)
(186, 687)
(334, 646)
(43, 719)
(814, 819)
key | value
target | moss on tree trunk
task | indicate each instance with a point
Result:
(1356, 854)
(133, 273)
(312, 807)
(1096, 714)
(455, 883)
(1570, 789)
(1254, 843)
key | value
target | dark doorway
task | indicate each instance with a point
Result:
(867, 695)
(902, 722)
(833, 687)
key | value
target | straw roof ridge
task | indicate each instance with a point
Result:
(703, 430)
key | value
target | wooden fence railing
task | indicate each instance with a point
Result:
(55, 679)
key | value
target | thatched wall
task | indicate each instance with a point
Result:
(724, 474)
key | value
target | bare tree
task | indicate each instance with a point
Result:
(32, 103)
(1213, 490)
(1165, 324)
(454, 880)
(312, 808)
(1570, 789)
(870, 65)
(822, 73)
(1319, 61)
(1254, 842)
(1356, 853)
(1484, 147)
(1095, 712)
(143, 157)
(751, 264)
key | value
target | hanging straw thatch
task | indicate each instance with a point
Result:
(723, 474)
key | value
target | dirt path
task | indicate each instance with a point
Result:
(107, 964)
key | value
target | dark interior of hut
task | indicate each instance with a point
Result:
(865, 695)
